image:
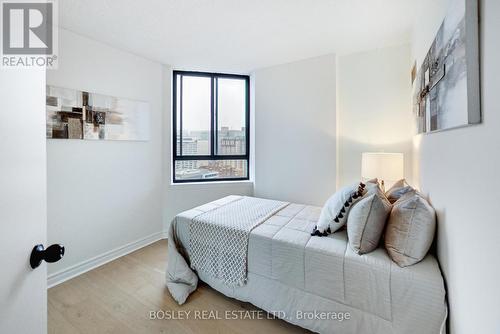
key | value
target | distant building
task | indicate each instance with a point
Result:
(232, 146)
(233, 142)
(230, 142)
(189, 147)
(195, 174)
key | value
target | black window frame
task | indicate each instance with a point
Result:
(176, 156)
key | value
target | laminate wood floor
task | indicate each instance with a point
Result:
(119, 296)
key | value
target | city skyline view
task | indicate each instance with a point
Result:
(230, 142)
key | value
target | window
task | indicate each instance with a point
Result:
(211, 117)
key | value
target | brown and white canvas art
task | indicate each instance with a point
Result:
(74, 114)
(446, 90)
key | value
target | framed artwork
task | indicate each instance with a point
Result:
(74, 114)
(446, 91)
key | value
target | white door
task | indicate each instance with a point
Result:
(23, 291)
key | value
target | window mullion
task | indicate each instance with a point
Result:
(216, 116)
(181, 97)
(212, 117)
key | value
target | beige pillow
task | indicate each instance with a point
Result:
(375, 180)
(398, 190)
(366, 221)
(410, 230)
(372, 188)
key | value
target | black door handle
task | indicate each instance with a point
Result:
(52, 254)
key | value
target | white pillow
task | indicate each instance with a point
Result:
(334, 213)
(366, 221)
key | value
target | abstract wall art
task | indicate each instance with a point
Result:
(74, 114)
(446, 91)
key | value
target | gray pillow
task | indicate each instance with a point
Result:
(410, 230)
(366, 221)
(398, 190)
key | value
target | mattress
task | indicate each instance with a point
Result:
(315, 282)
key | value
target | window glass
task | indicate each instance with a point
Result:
(196, 111)
(231, 120)
(210, 169)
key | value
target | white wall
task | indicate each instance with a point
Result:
(104, 194)
(295, 131)
(459, 170)
(184, 196)
(374, 108)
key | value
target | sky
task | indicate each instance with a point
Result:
(196, 103)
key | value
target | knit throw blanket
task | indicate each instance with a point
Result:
(219, 237)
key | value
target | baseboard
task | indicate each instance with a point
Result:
(92, 263)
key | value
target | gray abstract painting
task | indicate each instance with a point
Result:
(446, 88)
(74, 114)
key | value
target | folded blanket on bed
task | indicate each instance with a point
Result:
(222, 230)
(219, 237)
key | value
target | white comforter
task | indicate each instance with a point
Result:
(301, 278)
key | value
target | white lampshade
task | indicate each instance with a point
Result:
(384, 166)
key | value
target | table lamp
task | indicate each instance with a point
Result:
(383, 166)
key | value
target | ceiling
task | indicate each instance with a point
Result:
(240, 35)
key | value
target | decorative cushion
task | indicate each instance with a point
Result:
(397, 190)
(372, 188)
(410, 230)
(334, 213)
(375, 180)
(366, 221)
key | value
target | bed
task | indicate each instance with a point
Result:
(317, 283)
